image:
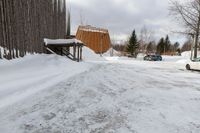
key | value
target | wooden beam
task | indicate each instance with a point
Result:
(74, 52)
(78, 54)
(81, 53)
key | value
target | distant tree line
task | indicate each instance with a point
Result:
(165, 46)
(24, 24)
(133, 46)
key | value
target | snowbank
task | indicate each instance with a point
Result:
(172, 58)
(187, 54)
(111, 52)
(23, 77)
(89, 55)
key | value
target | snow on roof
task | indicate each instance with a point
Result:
(93, 29)
(61, 41)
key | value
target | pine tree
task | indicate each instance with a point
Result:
(132, 44)
(167, 45)
(160, 46)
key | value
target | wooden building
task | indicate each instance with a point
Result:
(96, 39)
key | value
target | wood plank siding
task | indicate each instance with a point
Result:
(96, 39)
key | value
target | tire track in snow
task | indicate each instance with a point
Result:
(110, 98)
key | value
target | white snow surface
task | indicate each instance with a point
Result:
(23, 77)
(111, 52)
(187, 54)
(121, 95)
(89, 55)
(60, 41)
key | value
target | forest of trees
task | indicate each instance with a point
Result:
(24, 24)
(163, 46)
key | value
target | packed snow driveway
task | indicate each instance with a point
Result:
(117, 97)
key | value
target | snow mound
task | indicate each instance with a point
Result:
(90, 55)
(172, 58)
(187, 54)
(23, 77)
(111, 52)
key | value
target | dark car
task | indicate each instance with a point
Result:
(154, 57)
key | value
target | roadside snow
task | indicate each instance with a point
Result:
(187, 54)
(23, 77)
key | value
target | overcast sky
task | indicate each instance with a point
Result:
(120, 17)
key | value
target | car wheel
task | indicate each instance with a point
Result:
(188, 67)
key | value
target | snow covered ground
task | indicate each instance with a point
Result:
(23, 77)
(121, 95)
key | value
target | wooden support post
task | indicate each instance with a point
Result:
(74, 52)
(78, 58)
(61, 51)
(81, 53)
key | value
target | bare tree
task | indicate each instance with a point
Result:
(146, 36)
(188, 14)
(187, 45)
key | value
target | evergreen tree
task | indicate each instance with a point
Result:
(167, 44)
(132, 44)
(160, 46)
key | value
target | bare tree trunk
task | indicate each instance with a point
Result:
(24, 24)
(197, 38)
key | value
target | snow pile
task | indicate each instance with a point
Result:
(23, 77)
(90, 55)
(172, 58)
(111, 52)
(114, 58)
(187, 54)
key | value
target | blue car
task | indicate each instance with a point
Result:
(155, 57)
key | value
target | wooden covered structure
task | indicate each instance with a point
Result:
(96, 39)
(72, 48)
